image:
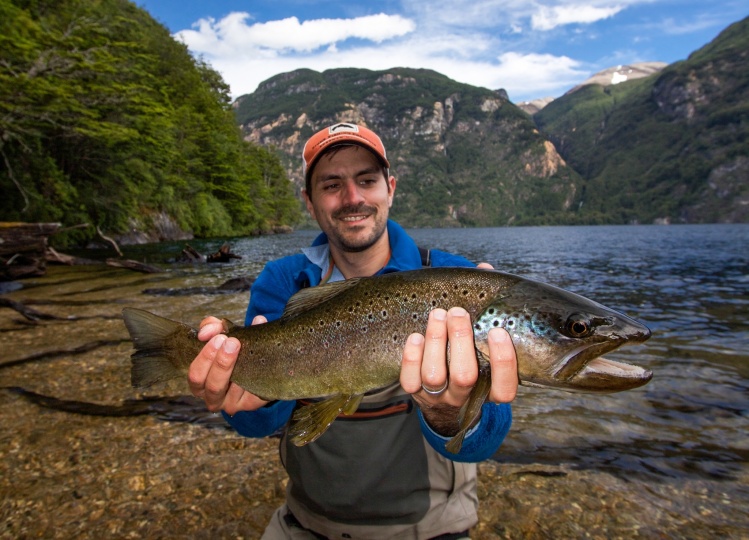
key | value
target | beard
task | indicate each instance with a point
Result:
(357, 243)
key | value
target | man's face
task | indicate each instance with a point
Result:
(350, 198)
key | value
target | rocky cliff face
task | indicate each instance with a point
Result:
(462, 155)
(668, 148)
(634, 144)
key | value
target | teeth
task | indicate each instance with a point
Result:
(353, 218)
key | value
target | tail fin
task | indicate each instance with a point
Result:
(156, 358)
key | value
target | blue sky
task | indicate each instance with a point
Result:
(531, 48)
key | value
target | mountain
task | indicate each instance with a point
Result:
(643, 143)
(606, 77)
(463, 155)
(672, 147)
(620, 74)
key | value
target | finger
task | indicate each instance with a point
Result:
(463, 365)
(504, 366)
(434, 362)
(485, 266)
(217, 382)
(413, 353)
(259, 319)
(238, 399)
(209, 327)
(201, 366)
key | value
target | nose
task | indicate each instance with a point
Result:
(351, 194)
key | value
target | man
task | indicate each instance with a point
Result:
(384, 471)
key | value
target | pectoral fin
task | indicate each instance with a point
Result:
(311, 421)
(471, 409)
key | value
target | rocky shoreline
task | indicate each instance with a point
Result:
(68, 475)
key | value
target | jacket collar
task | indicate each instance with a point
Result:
(404, 255)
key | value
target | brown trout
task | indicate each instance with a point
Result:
(341, 340)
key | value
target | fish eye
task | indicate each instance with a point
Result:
(578, 326)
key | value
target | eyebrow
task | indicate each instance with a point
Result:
(333, 176)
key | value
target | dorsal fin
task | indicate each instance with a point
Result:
(308, 298)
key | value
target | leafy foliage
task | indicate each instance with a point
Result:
(673, 146)
(105, 119)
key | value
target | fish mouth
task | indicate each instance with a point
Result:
(586, 370)
(603, 375)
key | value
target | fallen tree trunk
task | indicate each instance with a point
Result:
(23, 248)
(134, 265)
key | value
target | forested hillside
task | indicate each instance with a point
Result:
(672, 147)
(463, 155)
(107, 120)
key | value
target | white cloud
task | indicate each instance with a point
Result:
(548, 18)
(234, 34)
(501, 51)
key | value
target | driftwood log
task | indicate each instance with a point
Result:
(23, 248)
(134, 265)
(224, 254)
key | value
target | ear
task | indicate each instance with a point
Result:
(308, 204)
(391, 190)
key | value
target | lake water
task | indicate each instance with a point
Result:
(688, 284)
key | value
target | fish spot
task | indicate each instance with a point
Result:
(482, 295)
(364, 329)
(290, 372)
(434, 303)
(384, 313)
(477, 326)
(465, 292)
(351, 309)
(444, 295)
(370, 317)
(491, 311)
(413, 296)
(321, 322)
(510, 323)
(338, 324)
(495, 323)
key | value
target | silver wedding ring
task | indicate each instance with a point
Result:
(433, 392)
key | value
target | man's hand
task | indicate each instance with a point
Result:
(209, 375)
(425, 367)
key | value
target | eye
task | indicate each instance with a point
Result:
(578, 326)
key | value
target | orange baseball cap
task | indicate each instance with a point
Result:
(341, 134)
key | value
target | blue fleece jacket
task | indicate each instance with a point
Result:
(282, 278)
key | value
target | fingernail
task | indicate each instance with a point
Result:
(417, 339)
(496, 336)
(458, 312)
(439, 314)
(231, 346)
(203, 333)
(218, 341)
